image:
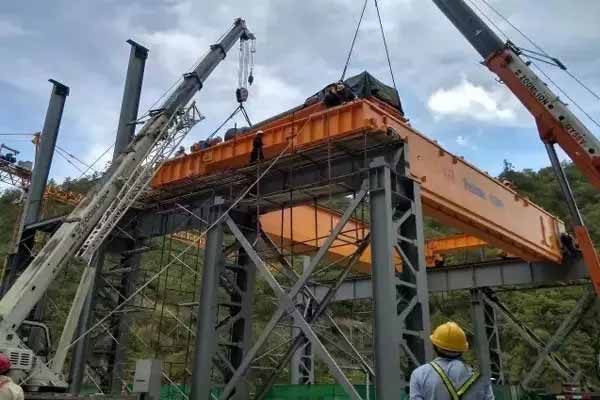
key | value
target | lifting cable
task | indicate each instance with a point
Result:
(387, 52)
(245, 79)
(74, 157)
(362, 14)
(239, 108)
(538, 47)
(531, 55)
(385, 45)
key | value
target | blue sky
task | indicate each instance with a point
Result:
(302, 46)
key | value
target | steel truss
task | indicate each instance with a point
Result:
(487, 338)
(224, 352)
(547, 350)
(397, 227)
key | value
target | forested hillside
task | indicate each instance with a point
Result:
(542, 310)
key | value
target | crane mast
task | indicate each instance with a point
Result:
(93, 219)
(555, 122)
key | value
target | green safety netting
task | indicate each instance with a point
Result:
(312, 392)
(323, 392)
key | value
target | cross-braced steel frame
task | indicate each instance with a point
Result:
(401, 307)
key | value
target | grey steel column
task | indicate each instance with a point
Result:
(302, 361)
(45, 152)
(131, 96)
(386, 327)
(125, 133)
(206, 342)
(241, 331)
(78, 357)
(481, 345)
(413, 304)
(131, 263)
(35, 193)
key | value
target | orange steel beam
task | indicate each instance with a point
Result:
(452, 190)
(311, 226)
(305, 228)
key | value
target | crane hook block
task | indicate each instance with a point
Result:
(241, 94)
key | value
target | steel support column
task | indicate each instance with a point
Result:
(302, 362)
(130, 262)
(23, 241)
(131, 96)
(45, 152)
(241, 296)
(125, 133)
(487, 341)
(388, 375)
(206, 335)
(397, 229)
(80, 349)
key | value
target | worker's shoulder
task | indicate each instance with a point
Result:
(422, 370)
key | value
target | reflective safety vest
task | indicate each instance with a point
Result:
(456, 394)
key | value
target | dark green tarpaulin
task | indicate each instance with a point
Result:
(366, 85)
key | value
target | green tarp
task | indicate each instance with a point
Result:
(365, 85)
(313, 392)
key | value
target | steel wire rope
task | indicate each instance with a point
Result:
(564, 92)
(387, 51)
(354, 40)
(75, 158)
(547, 55)
(488, 19)
(68, 160)
(184, 251)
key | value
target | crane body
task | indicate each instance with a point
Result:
(93, 219)
(555, 122)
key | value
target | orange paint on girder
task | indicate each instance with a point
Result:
(306, 228)
(452, 190)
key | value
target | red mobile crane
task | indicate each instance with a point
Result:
(555, 122)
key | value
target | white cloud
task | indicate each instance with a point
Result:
(469, 101)
(462, 141)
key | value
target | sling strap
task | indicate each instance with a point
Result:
(455, 394)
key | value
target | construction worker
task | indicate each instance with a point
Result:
(8, 389)
(448, 376)
(257, 147)
(180, 152)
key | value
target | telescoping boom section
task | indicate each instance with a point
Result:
(453, 191)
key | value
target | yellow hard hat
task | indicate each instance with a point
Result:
(450, 337)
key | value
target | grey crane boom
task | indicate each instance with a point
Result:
(105, 204)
